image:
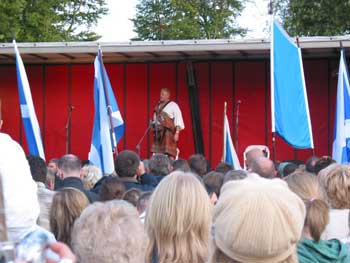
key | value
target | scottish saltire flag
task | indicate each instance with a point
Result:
(229, 154)
(104, 139)
(289, 104)
(341, 142)
(30, 122)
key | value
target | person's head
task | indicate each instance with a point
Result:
(53, 165)
(90, 174)
(67, 205)
(127, 163)
(336, 183)
(306, 186)
(238, 234)
(164, 95)
(178, 219)
(322, 163)
(223, 168)
(263, 167)
(109, 232)
(37, 168)
(310, 164)
(213, 182)
(253, 154)
(181, 165)
(159, 165)
(69, 166)
(50, 179)
(235, 175)
(143, 202)
(286, 168)
(198, 164)
(112, 188)
(146, 164)
(132, 196)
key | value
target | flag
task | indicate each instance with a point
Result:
(104, 139)
(341, 142)
(229, 154)
(289, 104)
(30, 122)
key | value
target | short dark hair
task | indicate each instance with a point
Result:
(223, 168)
(213, 182)
(38, 168)
(159, 164)
(198, 164)
(235, 175)
(126, 163)
(132, 196)
(322, 163)
(54, 160)
(69, 163)
(310, 164)
(112, 188)
(288, 169)
(181, 165)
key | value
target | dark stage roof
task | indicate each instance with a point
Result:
(156, 51)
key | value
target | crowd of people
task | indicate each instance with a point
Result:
(178, 211)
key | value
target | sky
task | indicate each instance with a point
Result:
(117, 27)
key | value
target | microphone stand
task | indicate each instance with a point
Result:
(68, 125)
(138, 145)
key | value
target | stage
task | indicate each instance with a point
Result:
(222, 74)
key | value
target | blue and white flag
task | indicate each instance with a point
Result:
(229, 154)
(341, 142)
(104, 139)
(30, 122)
(289, 104)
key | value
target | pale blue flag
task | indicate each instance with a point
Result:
(289, 104)
(30, 121)
(341, 142)
(104, 139)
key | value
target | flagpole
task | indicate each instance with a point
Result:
(270, 11)
(223, 134)
(109, 107)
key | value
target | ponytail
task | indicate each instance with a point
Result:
(317, 217)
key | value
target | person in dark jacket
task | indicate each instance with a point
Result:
(129, 167)
(69, 170)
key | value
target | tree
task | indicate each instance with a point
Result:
(314, 18)
(50, 20)
(187, 19)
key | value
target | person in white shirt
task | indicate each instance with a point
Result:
(168, 123)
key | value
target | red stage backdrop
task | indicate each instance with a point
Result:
(136, 85)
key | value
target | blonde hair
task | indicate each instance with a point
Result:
(219, 257)
(336, 183)
(178, 220)
(90, 176)
(67, 205)
(306, 186)
(109, 232)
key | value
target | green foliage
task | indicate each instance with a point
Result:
(50, 20)
(314, 18)
(187, 19)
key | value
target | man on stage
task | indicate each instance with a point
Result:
(168, 123)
